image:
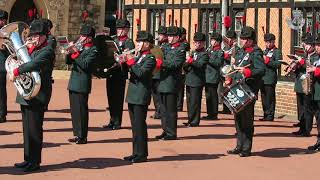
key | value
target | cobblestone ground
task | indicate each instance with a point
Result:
(199, 153)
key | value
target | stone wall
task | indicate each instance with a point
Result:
(66, 16)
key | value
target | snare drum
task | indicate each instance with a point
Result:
(238, 96)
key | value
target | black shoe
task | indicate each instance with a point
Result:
(75, 139)
(314, 147)
(116, 127)
(3, 119)
(168, 138)
(190, 125)
(306, 134)
(261, 119)
(245, 154)
(31, 167)
(234, 151)
(108, 126)
(267, 119)
(296, 125)
(186, 124)
(129, 158)
(210, 117)
(179, 109)
(139, 159)
(81, 141)
(155, 116)
(21, 165)
(163, 134)
(298, 133)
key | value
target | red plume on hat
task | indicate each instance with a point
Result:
(30, 13)
(41, 13)
(317, 25)
(84, 15)
(244, 20)
(138, 24)
(170, 20)
(215, 26)
(308, 29)
(195, 27)
(176, 21)
(227, 22)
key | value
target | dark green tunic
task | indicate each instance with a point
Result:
(80, 78)
(271, 76)
(171, 68)
(139, 89)
(215, 62)
(257, 66)
(41, 62)
(195, 72)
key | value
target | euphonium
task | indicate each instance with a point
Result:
(13, 36)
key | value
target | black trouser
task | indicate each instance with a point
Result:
(181, 88)
(194, 96)
(115, 91)
(32, 119)
(306, 112)
(79, 113)
(244, 127)
(212, 99)
(268, 98)
(317, 113)
(138, 115)
(156, 96)
(168, 110)
(3, 95)
(299, 106)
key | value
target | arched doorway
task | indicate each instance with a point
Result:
(23, 10)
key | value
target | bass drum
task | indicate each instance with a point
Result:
(105, 58)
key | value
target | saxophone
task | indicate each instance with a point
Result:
(306, 79)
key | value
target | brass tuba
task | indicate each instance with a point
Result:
(13, 37)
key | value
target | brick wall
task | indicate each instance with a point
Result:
(286, 99)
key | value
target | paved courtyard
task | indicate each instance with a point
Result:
(199, 153)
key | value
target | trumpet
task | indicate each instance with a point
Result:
(69, 49)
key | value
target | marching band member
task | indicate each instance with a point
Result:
(116, 82)
(272, 55)
(139, 95)
(213, 76)
(170, 69)
(249, 54)
(33, 110)
(80, 83)
(182, 77)
(195, 78)
(315, 69)
(163, 42)
(305, 100)
(3, 73)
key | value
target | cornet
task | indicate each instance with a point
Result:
(69, 49)
(122, 57)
